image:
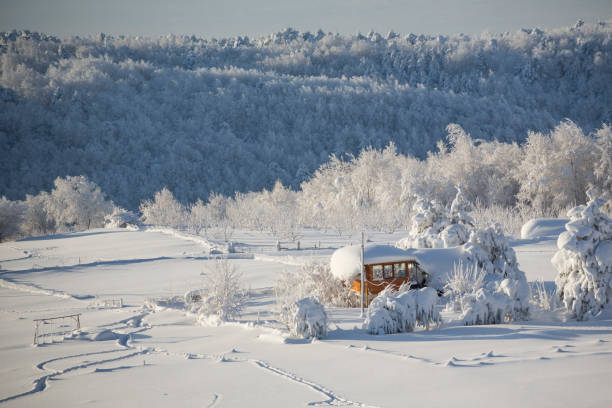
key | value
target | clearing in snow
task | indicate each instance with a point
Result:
(151, 352)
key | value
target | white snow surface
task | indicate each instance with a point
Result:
(603, 254)
(161, 356)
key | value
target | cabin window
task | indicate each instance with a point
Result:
(400, 270)
(388, 271)
(412, 272)
(377, 272)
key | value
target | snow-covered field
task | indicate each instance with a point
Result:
(152, 356)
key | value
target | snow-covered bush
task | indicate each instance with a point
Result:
(305, 318)
(223, 294)
(496, 302)
(584, 260)
(401, 311)
(120, 218)
(314, 279)
(489, 287)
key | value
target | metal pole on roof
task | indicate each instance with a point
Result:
(362, 272)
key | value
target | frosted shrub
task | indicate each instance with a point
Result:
(314, 279)
(464, 279)
(584, 260)
(499, 292)
(305, 318)
(543, 299)
(398, 312)
(222, 295)
(496, 302)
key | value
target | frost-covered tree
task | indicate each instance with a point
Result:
(76, 202)
(198, 217)
(584, 260)
(220, 210)
(603, 166)
(280, 212)
(11, 213)
(164, 210)
(223, 294)
(38, 218)
(557, 168)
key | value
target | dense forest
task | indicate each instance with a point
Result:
(202, 116)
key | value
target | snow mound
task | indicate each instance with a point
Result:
(543, 228)
(103, 335)
(392, 312)
(305, 318)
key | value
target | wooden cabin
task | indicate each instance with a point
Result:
(384, 266)
(380, 275)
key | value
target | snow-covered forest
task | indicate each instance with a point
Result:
(201, 116)
(380, 190)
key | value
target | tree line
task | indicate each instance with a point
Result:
(378, 189)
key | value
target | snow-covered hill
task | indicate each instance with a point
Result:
(160, 356)
(201, 115)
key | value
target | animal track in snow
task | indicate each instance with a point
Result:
(333, 399)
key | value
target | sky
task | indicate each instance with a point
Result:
(228, 18)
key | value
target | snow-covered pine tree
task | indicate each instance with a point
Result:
(434, 227)
(458, 232)
(584, 260)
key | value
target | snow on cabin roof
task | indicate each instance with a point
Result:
(346, 262)
(438, 263)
